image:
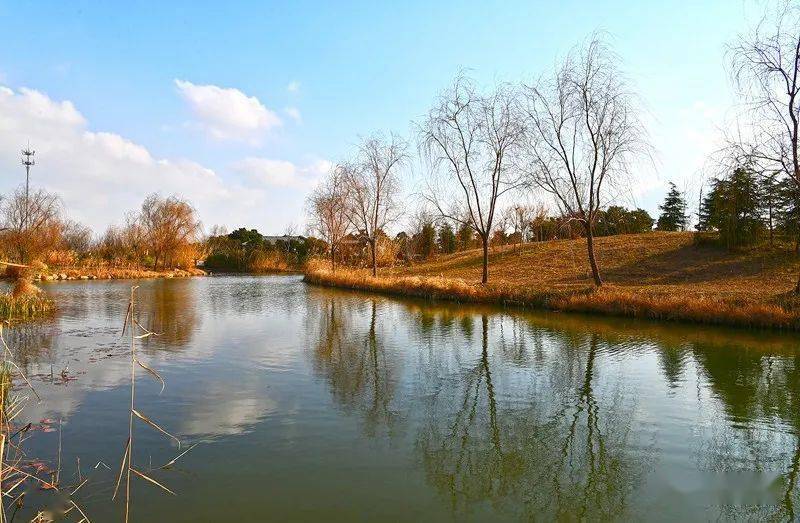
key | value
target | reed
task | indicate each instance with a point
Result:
(25, 306)
(128, 470)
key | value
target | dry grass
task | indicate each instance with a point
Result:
(115, 273)
(25, 306)
(270, 263)
(655, 275)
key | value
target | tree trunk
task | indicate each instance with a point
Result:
(333, 259)
(592, 260)
(372, 248)
(485, 276)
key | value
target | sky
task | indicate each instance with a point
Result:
(241, 107)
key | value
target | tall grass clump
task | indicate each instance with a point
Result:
(26, 300)
(26, 306)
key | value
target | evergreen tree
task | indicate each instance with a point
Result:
(465, 237)
(427, 240)
(673, 211)
(787, 215)
(639, 221)
(770, 202)
(447, 239)
(619, 220)
(734, 208)
(708, 207)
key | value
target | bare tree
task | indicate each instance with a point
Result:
(469, 138)
(168, 226)
(76, 237)
(372, 183)
(583, 129)
(30, 223)
(765, 66)
(327, 205)
(519, 217)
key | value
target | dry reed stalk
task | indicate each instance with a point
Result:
(137, 332)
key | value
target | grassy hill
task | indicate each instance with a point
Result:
(656, 275)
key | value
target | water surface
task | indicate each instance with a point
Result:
(311, 403)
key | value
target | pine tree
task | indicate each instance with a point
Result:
(787, 215)
(447, 239)
(770, 200)
(734, 207)
(427, 240)
(673, 211)
(708, 208)
(466, 235)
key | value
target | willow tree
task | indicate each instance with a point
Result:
(30, 224)
(582, 131)
(372, 184)
(328, 209)
(765, 65)
(169, 226)
(470, 138)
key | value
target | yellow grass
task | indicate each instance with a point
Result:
(116, 273)
(24, 306)
(270, 263)
(654, 275)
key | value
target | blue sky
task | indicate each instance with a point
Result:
(309, 79)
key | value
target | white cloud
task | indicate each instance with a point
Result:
(294, 114)
(101, 175)
(293, 87)
(227, 113)
(281, 173)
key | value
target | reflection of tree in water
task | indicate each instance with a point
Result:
(361, 375)
(757, 393)
(556, 452)
(31, 342)
(170, 309)
(672, 359)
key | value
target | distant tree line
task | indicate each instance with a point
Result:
(247, 250)
(163, 233)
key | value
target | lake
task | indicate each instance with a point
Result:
(309, 403)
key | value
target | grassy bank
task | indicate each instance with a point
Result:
(664, 276)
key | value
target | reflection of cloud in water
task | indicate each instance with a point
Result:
(225, 412)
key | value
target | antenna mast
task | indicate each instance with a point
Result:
(28, 162)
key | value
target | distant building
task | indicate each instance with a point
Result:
(273, 240)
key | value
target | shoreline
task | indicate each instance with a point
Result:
(113, 273)
(609, 300)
